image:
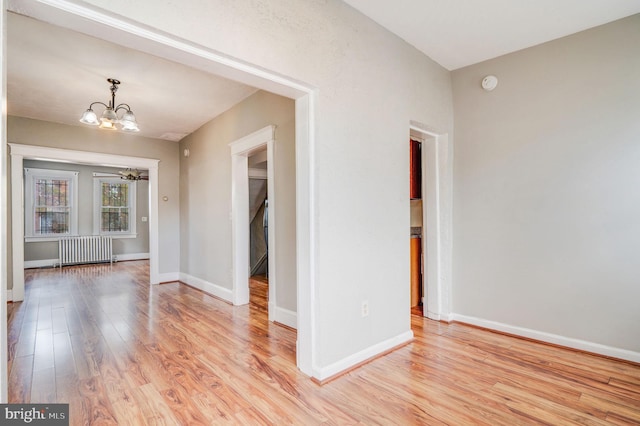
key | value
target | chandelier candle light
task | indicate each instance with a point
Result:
(109, 117)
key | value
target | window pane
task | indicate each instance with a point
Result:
(52, 209)
(115, 194)
(51, 192)
(51, 220)
(115, 220)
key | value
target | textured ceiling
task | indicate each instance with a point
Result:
(53, 74)
(457, 33)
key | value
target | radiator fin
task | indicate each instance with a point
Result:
(84, 249)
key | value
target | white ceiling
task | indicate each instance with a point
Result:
(457, 33)
(53, 74)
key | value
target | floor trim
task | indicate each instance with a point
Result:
(284, 316)
(131, 256)
(548, 338)
(330, 372)
(213, 289)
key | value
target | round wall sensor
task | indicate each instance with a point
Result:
(489, 82)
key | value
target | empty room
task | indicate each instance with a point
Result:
(320, 212)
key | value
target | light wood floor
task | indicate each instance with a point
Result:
(123, 352)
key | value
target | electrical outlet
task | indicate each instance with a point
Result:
(365, 308)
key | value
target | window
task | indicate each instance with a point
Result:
(115, 201)
(50, 205)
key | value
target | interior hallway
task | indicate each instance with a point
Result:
(123, 352)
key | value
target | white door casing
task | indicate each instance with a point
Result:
(241, 149)
(100, 23)
(437, 220)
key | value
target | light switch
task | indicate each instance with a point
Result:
(143, 218)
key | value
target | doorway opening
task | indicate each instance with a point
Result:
(21, 152)
(109, 26)
(431, 221)
(417, 228)
(258, 230)
(252, 207)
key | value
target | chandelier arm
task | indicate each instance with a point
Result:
(98, 102)
(121, 106)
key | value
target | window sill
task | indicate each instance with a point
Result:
(44, 239)
(118, 236)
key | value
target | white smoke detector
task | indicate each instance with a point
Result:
(489, 82)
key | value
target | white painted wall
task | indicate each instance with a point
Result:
(546, 204)
(370, 85)
(40, 133)
(205, 193)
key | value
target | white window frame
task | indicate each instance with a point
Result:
(99, 178)
(30, 174)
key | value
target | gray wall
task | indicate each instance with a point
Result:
(546, 207)
(205, 192)
(49, 249)
(34, 132)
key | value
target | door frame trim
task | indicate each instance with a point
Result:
(101, 23)
(21, 152)
(241, 149)
(437, 214)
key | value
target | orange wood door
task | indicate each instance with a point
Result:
(416, 273)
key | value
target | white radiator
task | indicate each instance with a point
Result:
(85, 249)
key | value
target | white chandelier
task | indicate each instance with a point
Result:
(109, 118)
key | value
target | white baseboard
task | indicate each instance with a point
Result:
(555, 339)
(167, 277)
(28, 264)
(44, 263)
(213, 289)
(131, 256)
(283, 316)
(9, 295)
(362, 356)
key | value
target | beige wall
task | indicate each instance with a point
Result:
(34, 132)
(47, 250)
(205, 193)
(546, 207)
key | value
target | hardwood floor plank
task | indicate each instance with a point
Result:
(631, 384)
(43, 386)
(83, 365)
(121, 351)
(20, 377)
(63, 359)
(59, 320)
(153, 407)
(43, 354)
(183, 408)
(534, 405)
(97, 408)
(463, 398)
(614, 408)
(26, 343)
(128, 413)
